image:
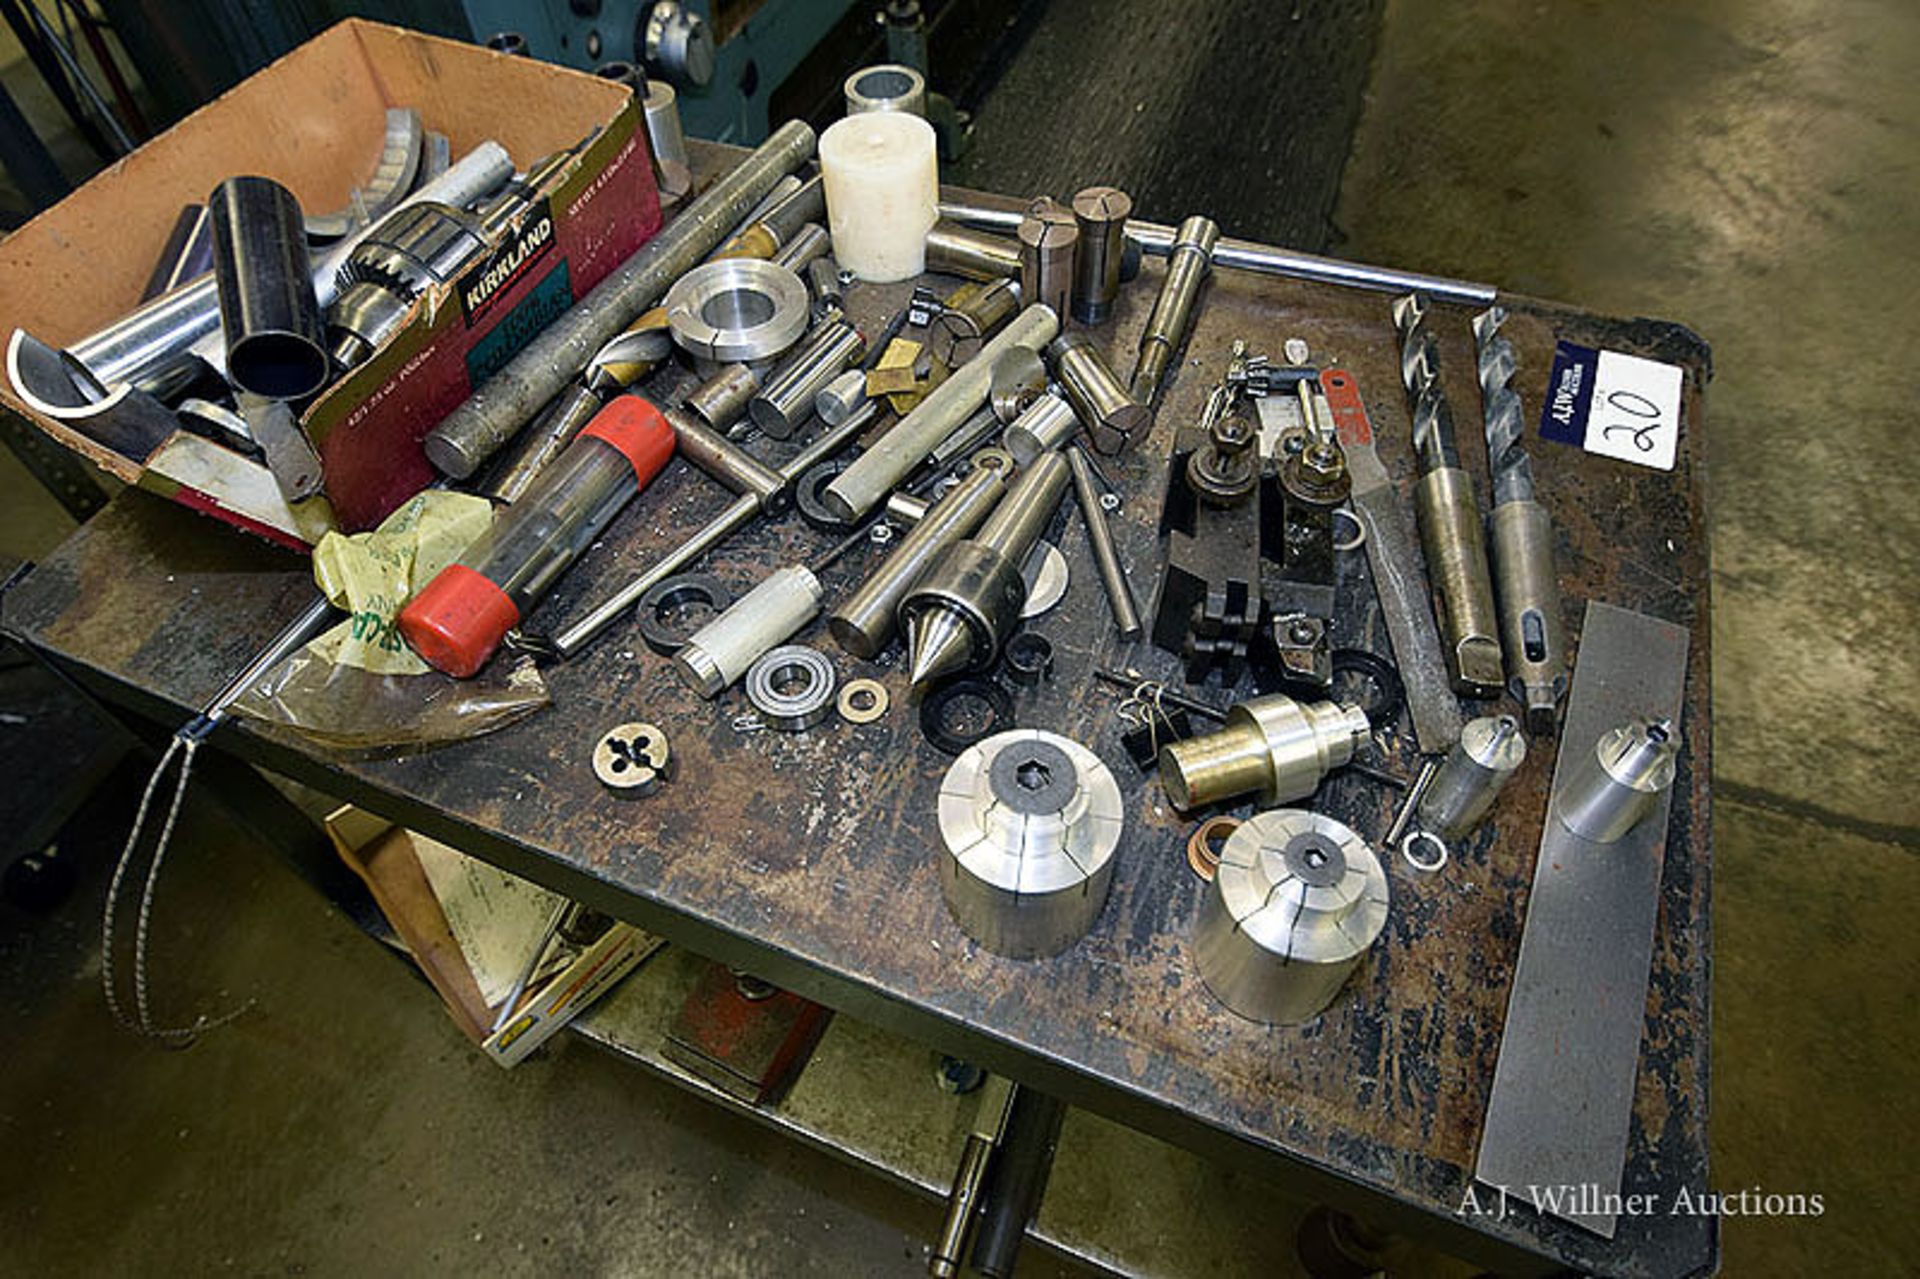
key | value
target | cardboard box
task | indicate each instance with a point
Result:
(314, 121)
(471, 928)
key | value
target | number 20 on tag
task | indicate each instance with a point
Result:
(1616, 405)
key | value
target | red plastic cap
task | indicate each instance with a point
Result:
(457, 622)
(638, 430)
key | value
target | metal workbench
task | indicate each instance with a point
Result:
(811, 859)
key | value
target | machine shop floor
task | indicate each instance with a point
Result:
(1746, 168)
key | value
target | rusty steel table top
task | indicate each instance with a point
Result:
(812, 859)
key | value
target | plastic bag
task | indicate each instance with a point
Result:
(358, 687)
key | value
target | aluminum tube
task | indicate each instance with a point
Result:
(721, 651)
(864, 623)
(276, 337)
(149, 347)
(1047, 423)
(890, 86)
(841, 398)
(500, 407)
(865, 483)
(1106, 556)
(1156, 239)
(786, 401)
(664, 136)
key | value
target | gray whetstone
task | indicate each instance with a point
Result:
(1563, 1087)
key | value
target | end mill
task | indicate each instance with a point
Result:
(968, 601)
(1531, 631)
(1449, 515)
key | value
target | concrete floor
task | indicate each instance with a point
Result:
(1748, 168)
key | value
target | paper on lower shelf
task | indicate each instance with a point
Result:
(496, 918)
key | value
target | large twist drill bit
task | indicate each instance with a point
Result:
(1450, 525)
(1531, 629)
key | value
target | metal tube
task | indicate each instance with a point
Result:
(276, 338)
(1156, 239)
(808, 243)
(889, 86)
(786, 401)
(1483, 761)
(775, 195)
(1189, 259)
(477, 428)
(786, 214)
(1273, 746)
(956, 250)
(664, 136)
(1106, 556)
(1450, 534)
(724, 460)
(864, 623)
(1533, 637)
(150, 347)
(720, 652)
(1609, 790)
(841, 398)
(974, 432)
(865, 484)
(722, 399)
(961, 610)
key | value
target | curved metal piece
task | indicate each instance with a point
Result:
(54, 385)
(393, 176)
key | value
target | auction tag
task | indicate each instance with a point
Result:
(1619, 406)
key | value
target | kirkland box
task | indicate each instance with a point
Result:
(316, 121)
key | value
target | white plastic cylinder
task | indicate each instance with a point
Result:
(882, 183)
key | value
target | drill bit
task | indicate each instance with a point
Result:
(1531, 629)
(1450, 524)
(627, 357)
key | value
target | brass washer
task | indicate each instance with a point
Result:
(854, 714)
